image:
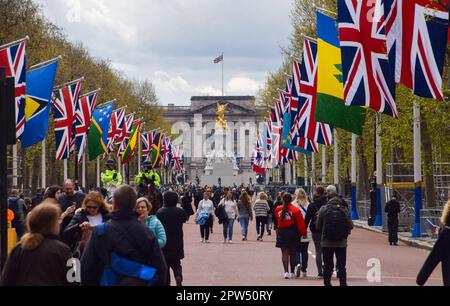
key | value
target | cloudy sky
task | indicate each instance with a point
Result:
(173, 43)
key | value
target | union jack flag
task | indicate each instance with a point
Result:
(116, 128)
(176, 159)
(368, 79)
(268, 144)
(166, 151)
(258, 157)
(13, 59)
(147, 143)
(64, 103)
(305, 76)
(125, 135)
(417, 33)
(83, 115)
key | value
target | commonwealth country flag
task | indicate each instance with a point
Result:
(156, 153)
(98, 132)
(40, 84)
(331, 107)
(132, 143)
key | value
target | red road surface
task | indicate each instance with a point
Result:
(255, 263)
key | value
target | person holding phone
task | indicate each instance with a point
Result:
(70, 201)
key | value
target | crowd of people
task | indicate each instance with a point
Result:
(134, 240)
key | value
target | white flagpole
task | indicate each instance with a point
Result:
(379, 217)
(355, 215)
(223, 60)
(83, 178)
(324, 164)
(15, 165)
(43, 166)
(313, 170)
(306, 171)
(98, 172)
(336, 159)
(65, 170)
(139, 153)
(417, 231)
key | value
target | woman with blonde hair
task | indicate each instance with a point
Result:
(143, 208)
(39, 259)
(302, 256)
(94, 212)
(439, 254)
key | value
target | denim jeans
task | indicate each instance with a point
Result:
(244, 221)
(317, 238)
(228, 229)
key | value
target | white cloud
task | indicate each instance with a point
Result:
(242, 85)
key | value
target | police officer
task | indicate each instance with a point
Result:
(111, 175)
(148, 176)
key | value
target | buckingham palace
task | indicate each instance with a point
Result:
(212, 152)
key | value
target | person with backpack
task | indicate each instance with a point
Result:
(18, 207)
(319, 200)
(335, 223)
(123, 251)
(290, 228)
(173, 219)
(231, 213)
(393, 209)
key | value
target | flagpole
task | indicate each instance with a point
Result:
(90, 93)
(306, 170)
(43, 165)
(65, 170)
(336, 160)
(417, 232)
(379, 217)
(355, 215)
(26, 38)
(139, 153)
(223, 60)
(313, 170)
(324, 164)
(15, 166)
(83, 174)
(68, 84)
(45, 63)
(98, 172)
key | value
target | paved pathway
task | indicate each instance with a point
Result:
(255, 263)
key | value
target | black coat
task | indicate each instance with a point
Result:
(392, 209)
(128, 238)
(440, 254)
(44, 266)
(72, 233)
(311, 214)
(186, 204)
(173, 218)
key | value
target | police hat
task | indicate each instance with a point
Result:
(110, 162)
(147, 164)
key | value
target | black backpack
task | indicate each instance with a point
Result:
(335, 222)
(13, 205)
(221, 214)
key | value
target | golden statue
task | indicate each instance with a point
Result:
(221, 122)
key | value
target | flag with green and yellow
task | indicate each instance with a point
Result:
(331, 106)
(132, 142)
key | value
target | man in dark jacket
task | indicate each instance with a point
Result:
(18, 207)
(319, 201)
(335, 224)
(70, 198)
(393, 209)
(173, 218)
(126, 237)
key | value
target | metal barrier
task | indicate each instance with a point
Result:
(363, 210)
(430, 220)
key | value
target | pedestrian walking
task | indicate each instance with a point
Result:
(231, 211)
(173, 218)
(143, 208)
(123, 244)
(270, 215)
(393, 209)
(245, 214)
(290, 228)
(261, 208)
(335, 223)
(92, 213)
(439, 254)
(39, 259)
(18, 207)
(186, 204)
(302, 255)
(204, 217)
(319, 200)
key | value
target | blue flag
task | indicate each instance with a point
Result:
(98, 131)
(40, 84)
(287, 141)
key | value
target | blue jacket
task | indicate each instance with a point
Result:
(203, 217)
(156, 226)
